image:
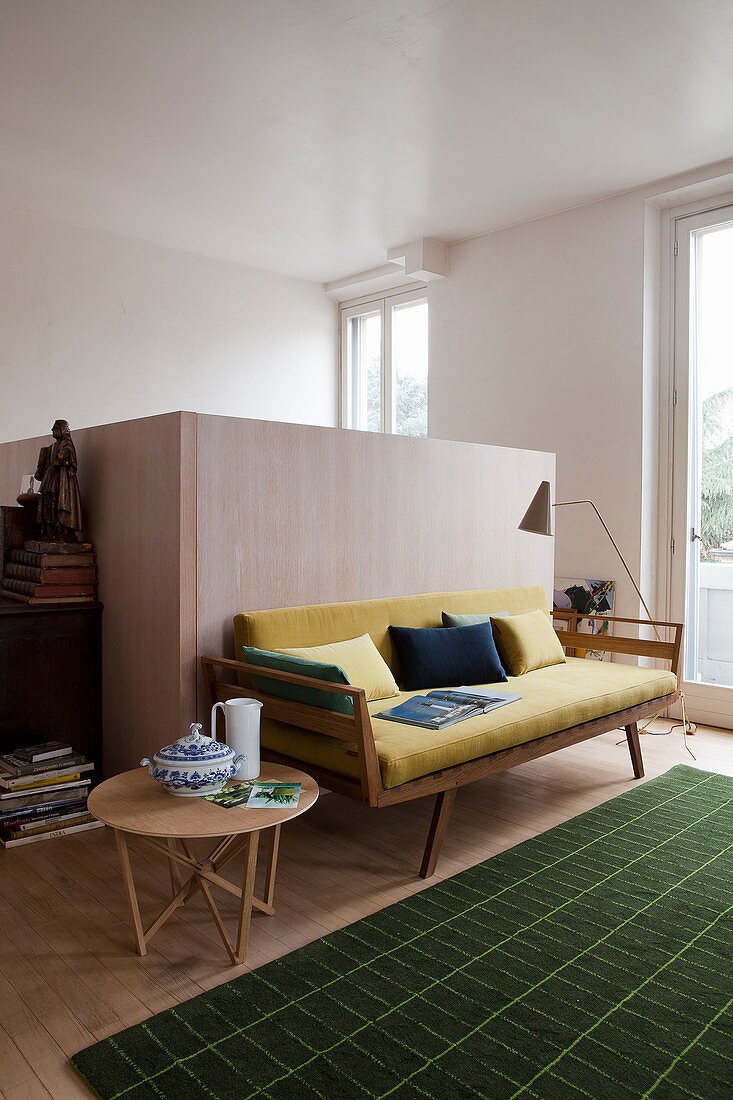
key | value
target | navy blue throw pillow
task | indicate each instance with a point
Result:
(435, 657)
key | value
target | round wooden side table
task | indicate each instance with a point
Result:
(135, 803)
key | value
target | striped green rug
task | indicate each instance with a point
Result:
(593, 961)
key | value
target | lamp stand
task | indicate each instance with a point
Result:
(687, 726)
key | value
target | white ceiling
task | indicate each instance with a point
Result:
(309, 136)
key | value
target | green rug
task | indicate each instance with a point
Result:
(593, 961)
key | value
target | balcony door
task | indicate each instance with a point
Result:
(702, 559)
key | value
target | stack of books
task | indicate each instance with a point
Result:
(43, 794)
(50, 573)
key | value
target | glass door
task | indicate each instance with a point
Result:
(702, 571)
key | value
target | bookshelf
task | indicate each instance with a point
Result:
(50, 676)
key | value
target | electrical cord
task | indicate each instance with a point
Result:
(686, 725)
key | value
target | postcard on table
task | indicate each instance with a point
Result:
(258, 795)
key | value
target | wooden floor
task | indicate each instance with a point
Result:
(68, 973)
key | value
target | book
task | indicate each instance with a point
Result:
(46, 750)
(8, 594)
(64, 549)
(50, 574)
(16, 765)
(41, 802)
(274, 796)
(234, 795)
(30, 588)
(45, 561)
(16, 525)
(256, 794)
(444, 707)
(14, 819)
(22, 803)
(63, 830)
(488, 695)
(26, 782)
(53, 820)
(39, 791)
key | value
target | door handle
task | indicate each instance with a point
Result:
(694, 535)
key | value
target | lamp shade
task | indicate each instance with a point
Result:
(538, 517)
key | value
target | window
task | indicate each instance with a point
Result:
(384, 364)
(702, 505)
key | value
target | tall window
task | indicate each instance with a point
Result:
(701, 550)
(384, 364)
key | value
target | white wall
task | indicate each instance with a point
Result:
(536, 341)
(655, 396)
(554, 334)
(98, 328)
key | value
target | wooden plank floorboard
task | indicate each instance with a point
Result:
(68, 971)
(70, 1009)
(15, 1069)
(24, 972)
(29, 1090)
(96, 914)
(23, 1023)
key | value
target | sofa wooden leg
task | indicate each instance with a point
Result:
(438, 826)
(632, 736)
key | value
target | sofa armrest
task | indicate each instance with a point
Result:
(356, 728)
(639, 647)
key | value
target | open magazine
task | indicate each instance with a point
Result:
(258, 794)
(445, 706)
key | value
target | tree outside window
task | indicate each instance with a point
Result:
(384, 364)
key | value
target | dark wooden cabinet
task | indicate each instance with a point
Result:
(51, 676)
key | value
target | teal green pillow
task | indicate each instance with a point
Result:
(299, 666)
(468, 620)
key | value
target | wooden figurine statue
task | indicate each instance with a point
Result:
(59, 507)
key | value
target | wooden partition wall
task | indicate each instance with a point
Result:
(137, 480)
(197, 517)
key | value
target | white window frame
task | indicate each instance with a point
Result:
(384, 305)
(708, 703)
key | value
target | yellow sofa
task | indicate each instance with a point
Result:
(381, 762)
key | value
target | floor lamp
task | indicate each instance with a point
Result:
(538, 520)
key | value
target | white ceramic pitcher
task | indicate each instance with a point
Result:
(242, 719)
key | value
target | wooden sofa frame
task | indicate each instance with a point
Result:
(444, 784)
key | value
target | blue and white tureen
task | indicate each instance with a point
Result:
(194, 765)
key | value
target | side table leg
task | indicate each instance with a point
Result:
(173, 866)
(248, 885)
(130, 889)
(271, 870)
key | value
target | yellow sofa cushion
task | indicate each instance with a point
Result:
(318, 624)
(360, 660)
(553, 698)
(526, 642)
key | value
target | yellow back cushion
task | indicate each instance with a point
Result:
(317, 624)
(360, 660)
(526, 642)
